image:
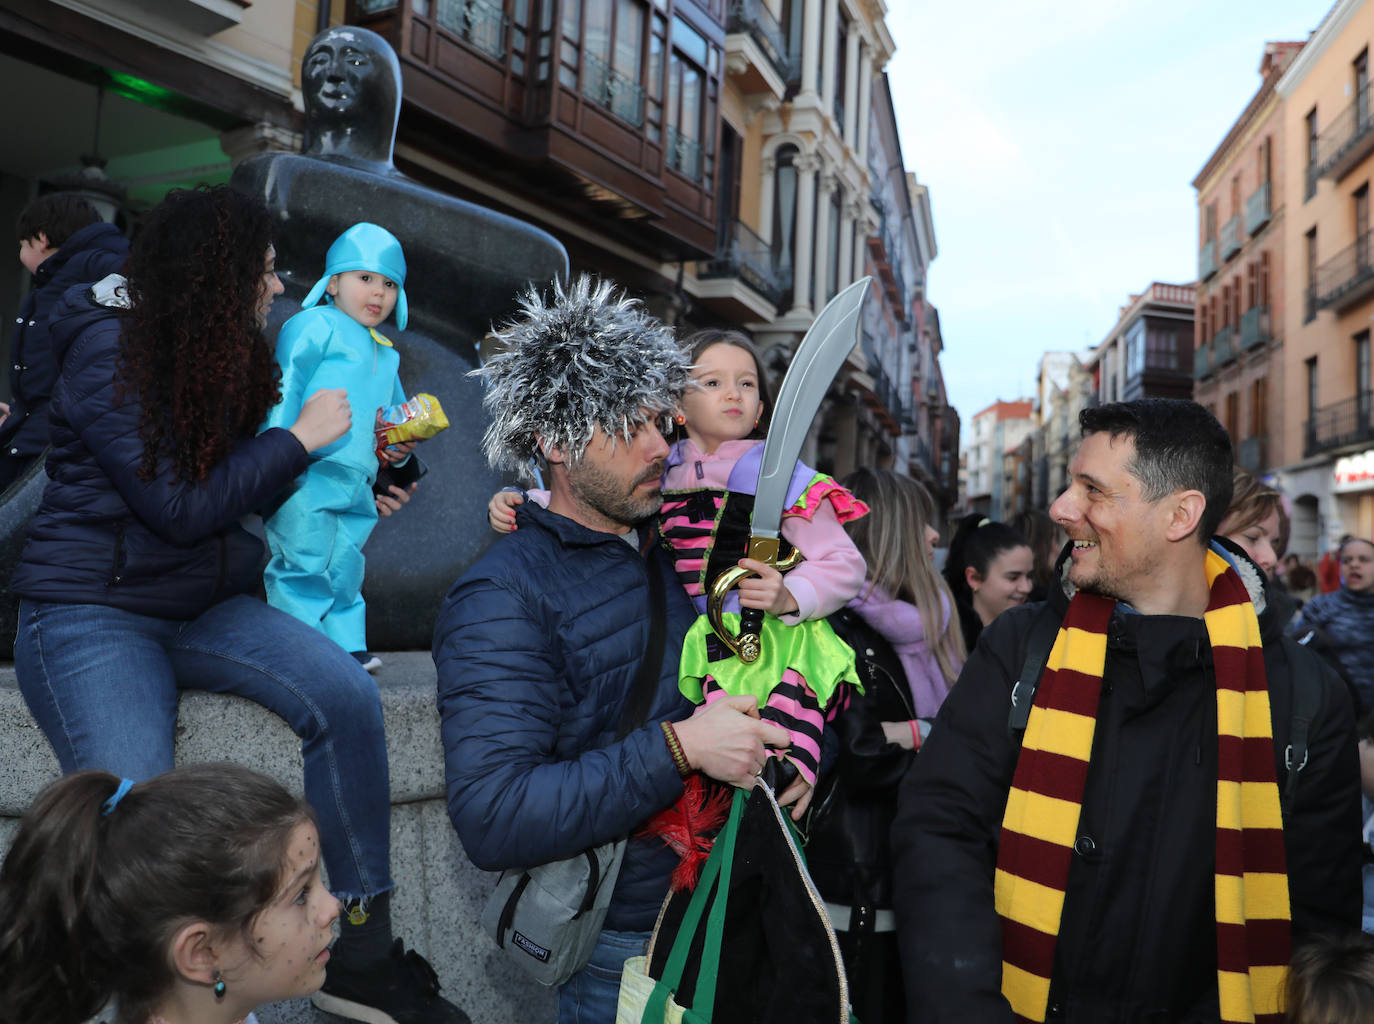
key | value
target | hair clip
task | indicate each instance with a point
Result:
(109, 805)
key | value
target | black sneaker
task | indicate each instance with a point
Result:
(399, 989)
(369, 662)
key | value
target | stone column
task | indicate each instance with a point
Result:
(824, 256)
(807, 164)
(811, 47)
(851, 85)
(846, 253)
(863, 227)
(865, 102)
(828, 51)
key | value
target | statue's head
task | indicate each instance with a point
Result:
(351, 82)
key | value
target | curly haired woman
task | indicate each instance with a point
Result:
(138, 579)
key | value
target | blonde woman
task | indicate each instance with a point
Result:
(908, 650)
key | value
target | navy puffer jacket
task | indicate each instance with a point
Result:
(537, 647)
(86, 256)
(101, 535)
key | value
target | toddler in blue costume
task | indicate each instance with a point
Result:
(317, 533)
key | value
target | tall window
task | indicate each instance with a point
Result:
(841, 66)
(1362, 90)
(1362, 362)
(1311, 366)
(1250, 286)
(793, 17)
(1259, 407)
(1310, 295)
(1209, 223)
(1264, 272)
(785, 218)
(1265, 159)
(1232, 421)
(690, 114)
(1235, 196)
(727, 195)
(832, 277)
(1311, 123)
(1362, 226)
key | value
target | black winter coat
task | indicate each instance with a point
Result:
(847, 847)
(101, 535)
(1137, 940)
(87, 255)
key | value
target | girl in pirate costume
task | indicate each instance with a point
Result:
(708, 489)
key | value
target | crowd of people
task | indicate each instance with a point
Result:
(1106, 764)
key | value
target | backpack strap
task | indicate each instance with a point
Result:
(1305, 699)
(1038, 646)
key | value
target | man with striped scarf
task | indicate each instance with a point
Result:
(1121, 854)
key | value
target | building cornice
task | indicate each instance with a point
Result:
(1259, 108)
(1322, 37)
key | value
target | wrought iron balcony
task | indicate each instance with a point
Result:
(1253, 454)
(1207, 260)
(1257, 209)
(1230, 238)
(1339, 424)
(747, 257)
(1222, 349)
(1309, 305)
(607, 87)
(1348, 139)
(754, 19)
(1202, 361)
(1346, 278)
(481, 23)
(1255, 328)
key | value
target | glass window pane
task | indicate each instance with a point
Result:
(597, 38)
(629, 36)
(690, 41)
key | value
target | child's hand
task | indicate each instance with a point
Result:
(4, 412)
(766, 590)
(325, 417)
(399, 453)
(393, 499)
(501, 510)
(799, 795)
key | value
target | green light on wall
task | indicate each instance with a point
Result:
(143, 92)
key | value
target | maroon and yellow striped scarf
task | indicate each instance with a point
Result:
(1041, 819)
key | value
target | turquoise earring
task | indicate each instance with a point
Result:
(220, 986)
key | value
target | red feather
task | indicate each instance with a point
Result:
(689, 826)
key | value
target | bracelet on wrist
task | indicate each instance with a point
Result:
(684, 769)
(915, 734)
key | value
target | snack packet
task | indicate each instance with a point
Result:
(418, 419)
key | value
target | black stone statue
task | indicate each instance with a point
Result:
(465, 266)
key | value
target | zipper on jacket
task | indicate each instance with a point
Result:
(117, 562)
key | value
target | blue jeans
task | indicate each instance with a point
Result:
(590, 996)
(102, 684)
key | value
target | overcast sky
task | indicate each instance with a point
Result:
(1058, 141)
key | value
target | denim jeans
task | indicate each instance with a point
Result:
(590, 995)
(102, 684)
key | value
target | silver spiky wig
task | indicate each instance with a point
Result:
(590, 357)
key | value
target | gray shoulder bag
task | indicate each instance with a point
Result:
(548, 918)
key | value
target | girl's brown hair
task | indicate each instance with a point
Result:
(1331, 981)
(92, 900)
(892, 540)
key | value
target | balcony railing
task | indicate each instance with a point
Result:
(481, 23)
(1207, 260)
(1253, 454)
(1309, 304)
(1257, 209)
(753, 18)
(1255, 329)
(1222, 349)
(607, 87)
(681, 153)
(1347, 277)
(1347, 139)
(1230, 238)
(1339, 424)
(746, 256)
(1202, 361)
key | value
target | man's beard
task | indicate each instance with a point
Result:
(608, 496)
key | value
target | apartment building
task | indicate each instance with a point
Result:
(1148, 353)
(995, 431)
(1239, 312)
(1328, 408)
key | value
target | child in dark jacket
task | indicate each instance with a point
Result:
(62, 242)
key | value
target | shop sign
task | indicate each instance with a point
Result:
(1355, 472)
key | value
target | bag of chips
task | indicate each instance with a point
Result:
(418, 419)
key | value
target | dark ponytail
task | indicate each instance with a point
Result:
(89, 902)
(977, 542)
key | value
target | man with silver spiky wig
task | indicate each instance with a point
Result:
(538, 646)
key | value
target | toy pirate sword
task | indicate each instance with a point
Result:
(822, 351)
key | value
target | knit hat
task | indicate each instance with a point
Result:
(368, 247)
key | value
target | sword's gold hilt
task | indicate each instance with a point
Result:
(747, 646)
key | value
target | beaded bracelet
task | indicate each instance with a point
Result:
(675, 748)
